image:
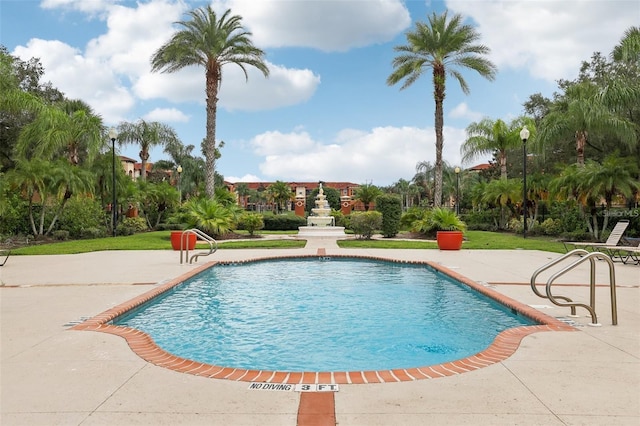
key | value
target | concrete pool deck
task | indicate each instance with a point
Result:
(50, 374)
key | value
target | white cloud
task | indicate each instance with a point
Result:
(245, 178)
(100, 74)
(167, 115)
(325, 25)
(80, 77)
(276, 143)
(81, 5)
(284, 87)
(550, 38)
(462, 111)
(385, 154)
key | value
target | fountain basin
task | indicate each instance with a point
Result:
(320, 221)
(321, 231)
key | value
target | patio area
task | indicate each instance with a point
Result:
(52, 375)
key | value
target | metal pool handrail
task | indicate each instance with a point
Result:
(592, 307)
(549, 265)
(584, 256)
(213, 244)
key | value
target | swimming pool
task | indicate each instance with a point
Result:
(322, 315)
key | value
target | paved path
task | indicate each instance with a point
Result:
(50, 375)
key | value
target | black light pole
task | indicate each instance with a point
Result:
(113, 134)
(179, 170)
(524, 135)
(457, 170)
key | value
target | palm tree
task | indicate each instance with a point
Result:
(592, 183)
(505, 193)
(488, 136)
(211, 42)
(578, 113)
(367, 194)
(243, 191)
(423, 177)
(146, 135)
(71, 128)
(49, 184)
(402, 187)
(442, 45)
(211, 216)
(279, 193)
(628, 50)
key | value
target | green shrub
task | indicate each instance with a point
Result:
(131, 225)
(533, 227)
(251, 222)
(60, 235)
(551, 226)
(169, 227)
(568, 213)
(283, 222)
(579, 235)
(412, 215)
(391, 208)
(81, 213)
(482, 219)
(339, 217)
(15, 216)
(364, 224)
(90, 233)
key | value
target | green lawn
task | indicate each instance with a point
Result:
(473, 240)
(160, 240)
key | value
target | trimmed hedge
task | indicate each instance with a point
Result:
(283, 222)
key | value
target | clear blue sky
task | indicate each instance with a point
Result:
(326, 112)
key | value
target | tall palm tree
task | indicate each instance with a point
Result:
(579, 113)
(441, 45)
(488, 136)
(70, 128)
(145, 134)
(211, 42)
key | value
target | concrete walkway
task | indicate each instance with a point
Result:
(50, 375)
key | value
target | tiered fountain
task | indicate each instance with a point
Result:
(320, 223)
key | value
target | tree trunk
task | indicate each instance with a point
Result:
(503, 165)
(581, 142)
(438, 94)
(144, 157)
(213, 79)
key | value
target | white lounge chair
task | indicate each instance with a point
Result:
(614, 238)
(627, 254)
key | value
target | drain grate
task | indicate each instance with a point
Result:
(76, 322)
(569, 321)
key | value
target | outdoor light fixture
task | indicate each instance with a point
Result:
(457, 171)
(524, 135)
(113, 134)
(179, 170)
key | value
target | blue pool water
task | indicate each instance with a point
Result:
(322, 315)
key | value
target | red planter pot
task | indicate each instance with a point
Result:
(188, 243)
(449, 240)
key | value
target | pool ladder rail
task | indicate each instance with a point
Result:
(213, 245)
(567, 302)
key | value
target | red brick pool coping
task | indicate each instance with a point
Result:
(503, 346)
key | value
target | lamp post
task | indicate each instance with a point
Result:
(179, 170)
(524, 135)
(113, 134)
(457, 170)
